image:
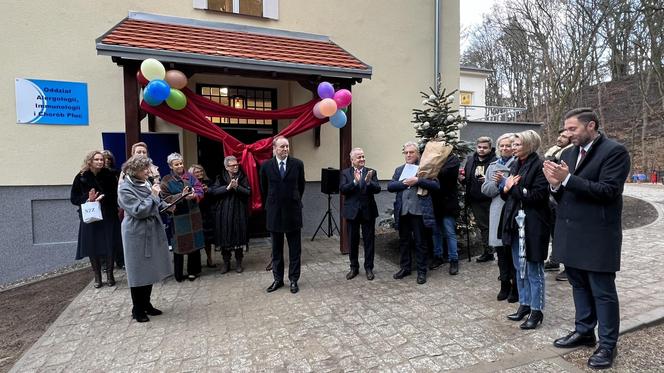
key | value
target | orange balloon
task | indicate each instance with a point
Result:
(327, 107)
(176, 79)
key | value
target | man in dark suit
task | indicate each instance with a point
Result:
(282, 186)
(588, 185)
(358, 185)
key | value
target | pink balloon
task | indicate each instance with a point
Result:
(343, 97)
(176, 79)
(317, 112)
(327, 107)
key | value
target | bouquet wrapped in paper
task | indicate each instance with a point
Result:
(433, 158)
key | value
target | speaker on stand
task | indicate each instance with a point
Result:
(329, 184)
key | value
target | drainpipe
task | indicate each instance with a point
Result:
(436, 47)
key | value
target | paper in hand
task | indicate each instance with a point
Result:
(409, 170)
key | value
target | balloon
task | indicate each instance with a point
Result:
(176, 79)
(152, 69)
(342, 97)
(156, 92)
(141, 79)
(338, 120)
(325, 90)
(327, 107)
(316, 111)
(344, 109)
(176, 100)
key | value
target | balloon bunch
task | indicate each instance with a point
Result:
(332, 104)
(162, 85)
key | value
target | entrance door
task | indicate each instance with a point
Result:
(211, 153)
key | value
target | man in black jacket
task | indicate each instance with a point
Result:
(588, 185)
(282, 187)
(358, 185)
(479, 204)
(446, 210)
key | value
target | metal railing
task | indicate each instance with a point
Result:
(491, 113)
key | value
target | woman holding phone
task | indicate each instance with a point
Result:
(185, 191)
(99, 239)
(232, 213)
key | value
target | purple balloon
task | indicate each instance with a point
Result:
(343, 97)
(325, 90)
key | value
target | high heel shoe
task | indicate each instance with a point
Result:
(522, 312)
(536, 317)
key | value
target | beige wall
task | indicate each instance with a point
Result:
(55, 40)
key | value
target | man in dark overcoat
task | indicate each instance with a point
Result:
(282, 187)
(588, 185)
(358, 184)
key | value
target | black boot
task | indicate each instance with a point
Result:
(226, 266)
(95, 263)
(536, 317)
(110, 279)
(504, 290)
(238, 265)
(522, 312)
(454, 267)
(514, 293)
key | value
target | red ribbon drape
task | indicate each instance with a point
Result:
(194, 118)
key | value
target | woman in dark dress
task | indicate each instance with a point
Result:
(102, 238)
(231, 188)
(526, 191)
(207, 210)
(109, 163)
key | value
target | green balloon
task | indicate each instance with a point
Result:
(345, 110)
(176, 99)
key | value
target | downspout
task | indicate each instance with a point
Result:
(436, 47)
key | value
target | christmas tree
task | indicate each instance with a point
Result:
(438, 121)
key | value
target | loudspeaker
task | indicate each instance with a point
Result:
(329, 180)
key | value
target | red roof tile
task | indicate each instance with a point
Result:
(232, 44)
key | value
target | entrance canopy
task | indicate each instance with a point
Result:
(229, 46)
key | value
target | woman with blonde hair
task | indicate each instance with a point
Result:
(141, 149)
(526, 192)
(99, 239)
(207, 210)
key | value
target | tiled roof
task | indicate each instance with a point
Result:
(173, 39)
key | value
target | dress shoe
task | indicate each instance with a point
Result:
(562, 276)
(275, 285)
(550, 265)
(293, 287)
(486, 257)
(192, 277)
(150, 310)
(575, 339)
(421, 278)
(370, 274)
(504, 292)
(602, 358)
(436, 262)
(536, 317)
(454, 267)
(140, 317)
(522, 312)
(401, 274)
(352, 273)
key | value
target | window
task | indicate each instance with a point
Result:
(255, 8)
(466, 98)
(241, 98)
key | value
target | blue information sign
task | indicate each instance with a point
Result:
(51, 102)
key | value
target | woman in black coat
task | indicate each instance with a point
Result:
(231, 189)
(99, 239)
(527, 190)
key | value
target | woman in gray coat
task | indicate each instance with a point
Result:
(496, 175)
(143, 237)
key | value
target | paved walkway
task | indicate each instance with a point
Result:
(229, 323)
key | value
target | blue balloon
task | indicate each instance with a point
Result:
(156, 92)
(338, 120)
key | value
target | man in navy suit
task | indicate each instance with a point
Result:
(358, 184)
(588, 185)
(282, 186)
